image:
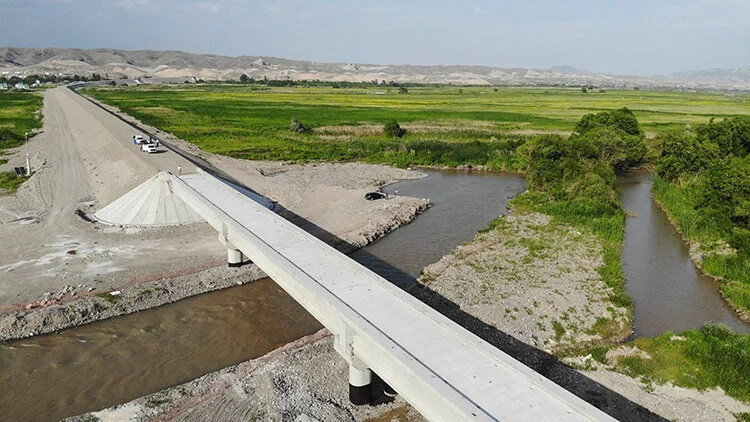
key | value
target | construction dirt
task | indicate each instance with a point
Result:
(57, 268)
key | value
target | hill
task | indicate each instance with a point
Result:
(169, 64)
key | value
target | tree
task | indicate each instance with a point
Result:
(584, 89)
(244, 79)
(297, 126)
(622, 119)
(402, 90)
(393, 129)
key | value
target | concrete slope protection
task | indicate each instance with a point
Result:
(151, 203)
(440, 368)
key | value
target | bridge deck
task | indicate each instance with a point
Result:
(440, 368)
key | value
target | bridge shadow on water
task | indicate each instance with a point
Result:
(610, 402)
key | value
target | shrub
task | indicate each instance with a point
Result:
(393, 129)
(297, 126)
(683, 153)
(611, 145)
(622, 119)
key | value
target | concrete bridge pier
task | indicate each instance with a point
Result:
(360, 383)
(360, 374)
(234, 256)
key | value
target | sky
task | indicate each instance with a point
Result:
(637, 37)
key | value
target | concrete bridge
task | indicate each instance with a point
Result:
(440, 368)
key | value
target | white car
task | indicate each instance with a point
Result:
(139, 140)
(150, 148)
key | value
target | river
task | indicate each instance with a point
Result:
(668, 292)
(108, 362)
(97, 365)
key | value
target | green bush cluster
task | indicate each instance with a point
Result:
(714, 160)
(582, 168)
(393, 129)
(622, 119)
(297, 126)
(573, 179)
(9, 139)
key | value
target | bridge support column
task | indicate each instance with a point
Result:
(234, 257)
(360, 382)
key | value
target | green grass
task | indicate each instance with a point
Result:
(710, 357)
(480, 125)
(609, 229)
(700, 226)
(18, 115)
(9, 182)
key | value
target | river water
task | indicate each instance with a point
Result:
(101, 364)
(668, 292)
(97, 365)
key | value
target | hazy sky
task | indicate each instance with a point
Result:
(625, 37)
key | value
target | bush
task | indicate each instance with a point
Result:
(683, 153)
(403, 90)
(731, 136)
(726, 191)
(393, 129)
(297, 126)
(623, 119)
(611, 145)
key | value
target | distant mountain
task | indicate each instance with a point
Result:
(570, 70)
(736, 76)
(171, 64)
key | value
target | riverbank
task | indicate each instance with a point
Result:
(303, 380)
(535, 279)
(307, 379)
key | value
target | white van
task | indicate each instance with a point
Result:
(150, 148)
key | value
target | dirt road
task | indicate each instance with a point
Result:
(84, 159)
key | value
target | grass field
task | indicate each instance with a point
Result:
(710, 357)
(18, 115)
(253, 122)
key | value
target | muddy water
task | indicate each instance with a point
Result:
(463, 203)
(101, 364)
(112, 361)
(668, 292)
(94, 366)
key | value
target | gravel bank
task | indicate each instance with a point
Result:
(671, 402)
(534, 279)
(302, 381)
